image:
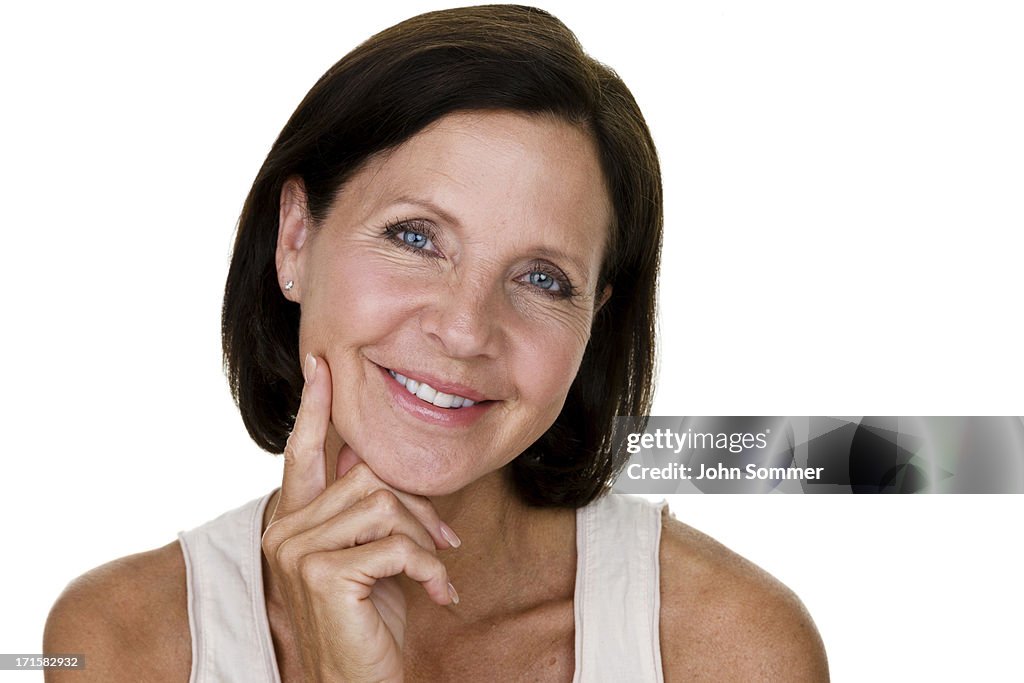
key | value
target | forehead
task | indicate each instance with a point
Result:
(535, 177)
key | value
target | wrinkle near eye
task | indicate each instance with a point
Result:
(574, 314)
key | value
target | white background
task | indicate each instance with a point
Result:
(843, 220)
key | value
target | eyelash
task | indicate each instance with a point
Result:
(392, 230)
(566, 290)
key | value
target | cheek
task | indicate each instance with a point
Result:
(546, 368)
(352, 301)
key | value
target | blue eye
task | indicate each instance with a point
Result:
(416, 240)
(548, 280)
(544, 281)
(414, 235)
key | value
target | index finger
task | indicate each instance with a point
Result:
(356, 480)
(304, 454)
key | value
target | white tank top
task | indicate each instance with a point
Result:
(616, 603)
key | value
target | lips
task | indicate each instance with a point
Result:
(426, 411)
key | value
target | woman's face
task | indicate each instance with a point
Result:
(461, 265)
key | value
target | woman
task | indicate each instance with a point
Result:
(466, 211)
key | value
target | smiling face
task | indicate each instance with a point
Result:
(461, 266)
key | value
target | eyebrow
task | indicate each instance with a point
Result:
(430, 206)
(556, 255)
(544, 252)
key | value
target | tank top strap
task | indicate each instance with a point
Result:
(617, 599)
(227, 612)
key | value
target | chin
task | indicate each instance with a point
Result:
(422, 471)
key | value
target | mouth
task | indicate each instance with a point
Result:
(429, 394)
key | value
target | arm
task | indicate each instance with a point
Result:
(724, 619)
(129, 618)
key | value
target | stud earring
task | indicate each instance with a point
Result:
(288, 285)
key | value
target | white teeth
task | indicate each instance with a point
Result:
(427, 393)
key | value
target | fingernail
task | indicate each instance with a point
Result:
(452, 594)
(450, 536)
(309, 368)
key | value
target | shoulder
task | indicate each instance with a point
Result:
(128, 617)
(723, 618)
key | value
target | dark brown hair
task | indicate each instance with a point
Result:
(497, 57)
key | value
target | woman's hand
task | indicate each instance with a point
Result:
(334, 551)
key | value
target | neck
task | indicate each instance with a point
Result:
(511, 553)
(485, 512)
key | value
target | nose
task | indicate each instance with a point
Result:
(465, 320)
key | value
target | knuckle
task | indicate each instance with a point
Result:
(402, 545)
(438, 567)
(385, 502)
(297, 447)
(269, 540)
(290, 453)
(289, 555)
(313, 568)
(362, 474)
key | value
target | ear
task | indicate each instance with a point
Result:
(293, 229)
(606, 294)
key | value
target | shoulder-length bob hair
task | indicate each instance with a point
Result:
(499, 57)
